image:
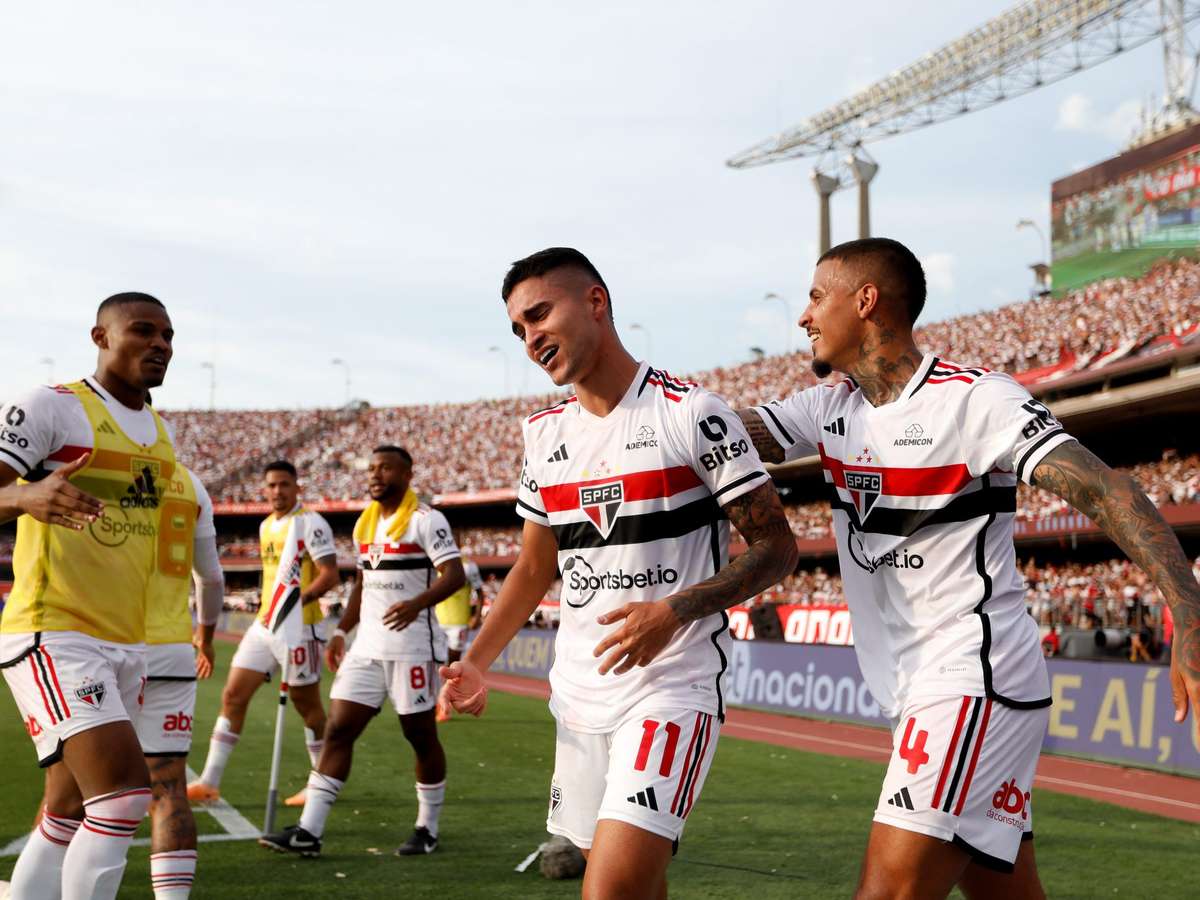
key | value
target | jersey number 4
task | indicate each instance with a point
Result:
(911, 752)
(649, 729)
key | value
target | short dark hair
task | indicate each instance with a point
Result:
(126, 299)
(281, 465)
(399, 451)
(545, 261)
(890, 262)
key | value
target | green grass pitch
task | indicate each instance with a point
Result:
(772, 823)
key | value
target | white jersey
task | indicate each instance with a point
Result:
(395, 571)
(634, 501)
(48, 428)
(923, 491)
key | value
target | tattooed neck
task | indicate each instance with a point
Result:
(887, 361)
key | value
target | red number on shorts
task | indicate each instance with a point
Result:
(649, 729)
(913, 754)
(298, 656)
(416, 677)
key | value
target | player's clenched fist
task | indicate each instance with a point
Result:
(55, 501)
(463, 691)
(647, 629)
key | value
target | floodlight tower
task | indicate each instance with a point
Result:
(1034, 44)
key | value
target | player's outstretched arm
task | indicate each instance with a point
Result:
(53, 500)
(523, 589)
(770, 556)
(1116, 503)
(769, 449)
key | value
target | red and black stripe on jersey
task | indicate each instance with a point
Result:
(393, 557)
(672, 388)
(953, 481)
(554, 410)
(636, 528)
(941, 372)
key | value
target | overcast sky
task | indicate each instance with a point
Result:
(302, 181)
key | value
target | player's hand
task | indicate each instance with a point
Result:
(204, 657)
(1185, 680)
(647, 629)
(462, 690)
(400, 615)
(335, 652)
(55, 501)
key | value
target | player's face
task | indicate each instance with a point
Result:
(281, 491)
(135, 344)
(559, 319)
(833, 325)
(388, 476)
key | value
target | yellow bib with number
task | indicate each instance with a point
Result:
(272, 536)
(168, 620)
(97, 581)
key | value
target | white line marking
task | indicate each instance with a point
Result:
(237, 827)
(1104, 791)
(881, 751)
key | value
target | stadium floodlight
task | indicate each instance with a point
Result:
(1034, 44)
(649, 339)
(48, 362)
(787, 311)
(212, 384)
(504, 357)
(1029, 223)
(346, 368)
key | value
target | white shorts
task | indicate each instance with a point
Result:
(65, 682)
(648, 772)
(962, 770)
(164, 725)
(456, 637)
(264, 651)
(412, 686)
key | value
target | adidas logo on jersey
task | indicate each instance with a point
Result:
(143, 493)
(560, 455)
(645, 798)
(105, 428)
(902, 799)
(837, 426)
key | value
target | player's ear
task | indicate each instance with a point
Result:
(866, 301)
(100, 336)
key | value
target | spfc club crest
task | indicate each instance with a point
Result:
(555, 798)
(375, 554)
(91, 693)
(864, 488)
(601, 503)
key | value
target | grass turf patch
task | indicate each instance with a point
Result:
(772, 822)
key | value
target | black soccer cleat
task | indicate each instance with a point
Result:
(420, 843)
(292, 839)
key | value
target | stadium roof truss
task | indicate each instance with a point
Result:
(1032, 45)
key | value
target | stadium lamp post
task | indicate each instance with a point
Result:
(212, 384)
(649, 340)
(1041, 270)
(504, 358)
(48, 362)
(1029, 223)
(787, 311)
(346, 369)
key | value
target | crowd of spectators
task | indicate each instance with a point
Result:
(477, 446)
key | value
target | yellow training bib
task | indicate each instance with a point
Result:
(168, 620)
(272, 535)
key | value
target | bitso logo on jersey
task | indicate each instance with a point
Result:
(601, 503)
(91, 693)
(864, 488)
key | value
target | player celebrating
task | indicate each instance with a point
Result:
(94, 461)
(623, 489)
(922, 458)
(262, 652)
(400, 542)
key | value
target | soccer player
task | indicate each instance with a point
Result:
(400, 543)
(164, 723)
(628, 487)
(261, 651)
(922, 457)
(94, 461)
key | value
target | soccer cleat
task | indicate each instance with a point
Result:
(420, 843)
(292, 839)
(199, 792)
(297, 799)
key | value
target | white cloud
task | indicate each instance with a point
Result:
(939, 272)
(1078, 113)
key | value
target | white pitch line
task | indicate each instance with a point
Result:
(881, 751)
(1104, 791)
(237, 827)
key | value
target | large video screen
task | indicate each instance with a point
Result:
(1121, 216)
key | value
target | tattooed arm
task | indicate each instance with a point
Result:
(770, 556)
(1116, 503)
(769, 449)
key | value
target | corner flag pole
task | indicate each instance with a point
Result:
(276, 754)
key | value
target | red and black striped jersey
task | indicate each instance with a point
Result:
(923, 494)
(634, 500)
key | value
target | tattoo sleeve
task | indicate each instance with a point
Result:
(769, 449)
(770, 556)
(1116, 503)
